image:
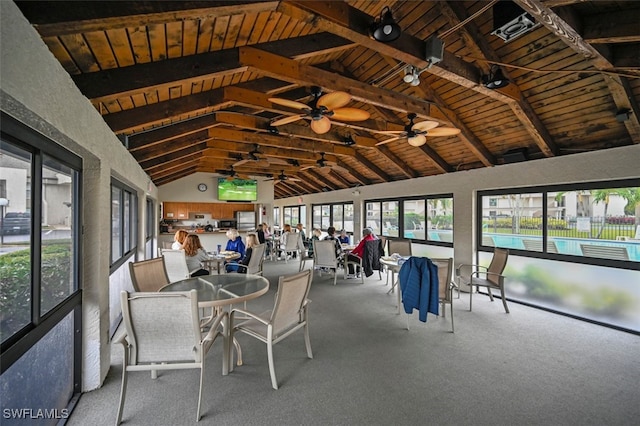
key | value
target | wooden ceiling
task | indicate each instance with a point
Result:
(185, 85)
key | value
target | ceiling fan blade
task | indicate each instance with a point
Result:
(334, 100)
(292, 179)
(288, 103)
(350, 114)
(418, 140)
(240, 163)
(443, 131)
(306, 168)
(389, 140)
(262, 163)
(287, 120)
(340, 169)
(280, 161)
(321, 126)
(425, 125)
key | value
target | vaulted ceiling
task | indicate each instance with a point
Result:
(186, 85)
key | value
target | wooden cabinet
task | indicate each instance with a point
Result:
(180, 211)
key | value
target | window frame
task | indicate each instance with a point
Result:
(331, 206)
(128, 210)
(14, 347)
(544, 190)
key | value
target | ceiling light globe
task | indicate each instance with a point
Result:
(408, 78)
(415, 81)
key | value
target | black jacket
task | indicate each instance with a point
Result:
(371, 256)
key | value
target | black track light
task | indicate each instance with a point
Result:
(495, 79)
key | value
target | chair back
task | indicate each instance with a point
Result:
(402, 247)
(605, 252)
(167, 244)
(290, 299)
(175, 262)
(148, 275)
(383, 244)
(257, 259)
(162, 327)
(445, 271)
(497, 265)
(324, 254)
(294, 242)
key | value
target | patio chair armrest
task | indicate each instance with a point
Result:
(248, 314)
(468, 265)
(487, 273)
(122, 339)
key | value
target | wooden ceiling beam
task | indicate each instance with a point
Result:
(167, 147)
(177, 175)
(277, 66)
(71, 17)
(620, 26)
(402, 166)
(111, 84)
(618, 86)
(163, 134)
(172, 156)
(373, 168)
(322, 179)
(479, 47)
(353, 24)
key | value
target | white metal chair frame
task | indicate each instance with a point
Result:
(159, 336)
(445, 285)
(289, 314)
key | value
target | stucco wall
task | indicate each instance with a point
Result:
(36, 90)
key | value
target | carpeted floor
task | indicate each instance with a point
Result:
(528, 367)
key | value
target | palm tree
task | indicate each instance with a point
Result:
(632, 197)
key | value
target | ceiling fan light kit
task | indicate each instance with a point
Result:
(385, 28)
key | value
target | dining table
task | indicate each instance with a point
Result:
(219, 292)
(218, 259)
(393, 264)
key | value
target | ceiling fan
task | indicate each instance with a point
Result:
(325, 165)
(231, 174)
(417, 133)
(258, 159)
(282, 178)
(320, 109)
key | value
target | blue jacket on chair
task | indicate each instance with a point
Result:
(419, 285)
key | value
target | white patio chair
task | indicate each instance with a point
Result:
(176, 264)
(489, 277)
(163, 333)
(255, 263)
(288, 315)
(324, 256)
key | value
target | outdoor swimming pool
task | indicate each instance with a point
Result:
(565, 245)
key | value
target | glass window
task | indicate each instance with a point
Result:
(348, 218)
(414, 219)
(326, 217)
(373, 210)
(390, 218)
(440, 219)
(276, 217)
(57, 283)
(338, 215)
(124, 221)
(15, 233)
(316, 218)
(511, 218)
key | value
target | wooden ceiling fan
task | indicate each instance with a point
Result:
(325, 165)
(258, 159)
(320, 109)
(283, 178)
(417, 133)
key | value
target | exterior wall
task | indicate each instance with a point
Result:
(36, 90)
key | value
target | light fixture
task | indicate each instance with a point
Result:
(349, 140)
(495, 79)
(385, 28)
(411, 75)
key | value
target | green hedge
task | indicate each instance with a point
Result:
(526, 223)
(15, 284)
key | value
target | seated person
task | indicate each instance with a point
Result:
(300, 229)
(240, 265)
(357, 253)
(344, 238)
(195, 255)
(315, 235)
(235, 242)
(331, 235)
(178, 239)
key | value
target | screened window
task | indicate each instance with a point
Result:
(124, 221)
(339, 215)
(596, 222)
(276, 217)
(294, 215)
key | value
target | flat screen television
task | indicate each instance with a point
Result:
(237, 189)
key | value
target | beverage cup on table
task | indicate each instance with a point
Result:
(219, 248)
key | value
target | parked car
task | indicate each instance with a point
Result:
(16, 223)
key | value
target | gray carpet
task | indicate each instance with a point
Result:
(528, 367)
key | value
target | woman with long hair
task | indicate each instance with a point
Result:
(195, 255)
(178, 239)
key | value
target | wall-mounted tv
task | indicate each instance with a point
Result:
(237, 189)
